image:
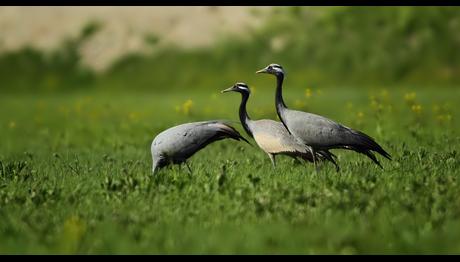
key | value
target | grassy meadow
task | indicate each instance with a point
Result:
(75, 163)
(75, 176)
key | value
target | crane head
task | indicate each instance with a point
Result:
(158, 163)
(273, 69)
(238, 87)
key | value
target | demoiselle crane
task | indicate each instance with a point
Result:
(176, 144)
(271, 136)
(318, 132)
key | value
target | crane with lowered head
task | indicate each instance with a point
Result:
(176, 144)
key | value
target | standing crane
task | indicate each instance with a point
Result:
(176, 144)
(271, 136)
(318, 132)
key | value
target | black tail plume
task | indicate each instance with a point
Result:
(366, 143)
(329, 156)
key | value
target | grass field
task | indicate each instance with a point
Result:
(75, 176)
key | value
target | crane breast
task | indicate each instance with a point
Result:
(272, 137)
(271, 143)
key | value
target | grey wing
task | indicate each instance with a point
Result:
(175, 141)
(184, 140)
(321, 132)
(316, 130)
(204, 133)
(197, 138)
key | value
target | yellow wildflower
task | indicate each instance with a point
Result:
(384, 93)
(374, 104)
(349, 105)
(416, 109)
(187, 106)
(444, 118)
(299, 103)
(133, 116)
(409, 97)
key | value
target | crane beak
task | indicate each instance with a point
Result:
(228, 89)
(155, 166)
(262, 71)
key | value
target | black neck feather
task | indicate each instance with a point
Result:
(244, 117)
(280, 105)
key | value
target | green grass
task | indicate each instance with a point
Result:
(75, 177)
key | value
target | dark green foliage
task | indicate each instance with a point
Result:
(369, 44)
(317, 45)
(32, 70)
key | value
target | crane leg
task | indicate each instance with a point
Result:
(313, 153)
(189, 169)
(330, 156)
(272, 158)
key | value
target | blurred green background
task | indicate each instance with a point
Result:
(320, 46)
